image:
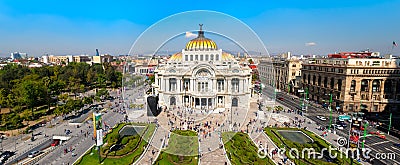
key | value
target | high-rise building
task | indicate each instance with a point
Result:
(18, 55)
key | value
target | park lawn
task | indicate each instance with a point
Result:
(182, 149)
(92, 156)
(318, 145)
(241, 150)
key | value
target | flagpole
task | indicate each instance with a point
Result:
(393, 45)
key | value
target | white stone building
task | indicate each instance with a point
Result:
(202, 76)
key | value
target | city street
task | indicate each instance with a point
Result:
(376, 144)
(79, 143)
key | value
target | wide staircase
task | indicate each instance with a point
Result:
(212, 151)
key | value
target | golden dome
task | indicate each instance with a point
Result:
(201, 43)
(227, 57)
(176, 57)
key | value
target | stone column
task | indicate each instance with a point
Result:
(227, 86)
(382, 88)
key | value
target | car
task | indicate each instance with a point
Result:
(55, 142)
(343, 124)
(33, 154)
(280, 98)
(396, 145)
(321, 118)
(336, 126)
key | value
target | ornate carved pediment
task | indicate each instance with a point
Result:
(203, 73)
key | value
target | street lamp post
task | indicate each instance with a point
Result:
(1, 142)
(365, 133)
(330, 110)
(348, 141)
(231, 117)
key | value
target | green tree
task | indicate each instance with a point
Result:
(101, 80)
(46, 82)
(15, 120)
(88, 100)
(102, 93)
(30, 93)
(3, 98)
(151, 79)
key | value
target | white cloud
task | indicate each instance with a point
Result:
(311, 44)
(190, 35)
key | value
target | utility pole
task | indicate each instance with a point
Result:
(306, 96)
(288, 88)
(351, 123)
(365, 134)
(304, 100)
(390, 123)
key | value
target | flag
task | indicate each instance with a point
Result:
(394, 44)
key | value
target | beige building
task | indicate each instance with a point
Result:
(280, 73)
(102, 58)
(58, 60)
(81, 58)
(356, 84)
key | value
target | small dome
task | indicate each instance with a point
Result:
(201, 43)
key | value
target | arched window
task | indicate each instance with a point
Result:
(314, 79)
(339, 85)
(206, 57)
(235, 85)
(196, 57)
(376, 84)
(319, 80)
(191, 57)
(353, 85)
(201, 58)
(212, 57)
(332, 83)
(186, 58)
(364, 85)
(304, 78)
(235, 102)
(172, 84)
(216, 57)
(388, 86)
(172, 101)
(308, 81)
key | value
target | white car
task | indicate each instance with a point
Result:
(337, 126)
(33, 154)
(321, 118)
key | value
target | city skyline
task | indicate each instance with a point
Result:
(306, 27)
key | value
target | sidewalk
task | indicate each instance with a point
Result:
(210, 153)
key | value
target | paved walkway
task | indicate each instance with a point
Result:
(261, 140)
(212, 151)
(155, 146)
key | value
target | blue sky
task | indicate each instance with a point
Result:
(79, 27)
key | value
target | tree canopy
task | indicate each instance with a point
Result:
(23, 88)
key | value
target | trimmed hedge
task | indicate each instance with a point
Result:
(318, 145)
(241, 150)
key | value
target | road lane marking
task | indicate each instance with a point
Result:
(379, 143)
(380, 151)
(396, 148)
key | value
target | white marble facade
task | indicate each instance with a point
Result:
(203, 77)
